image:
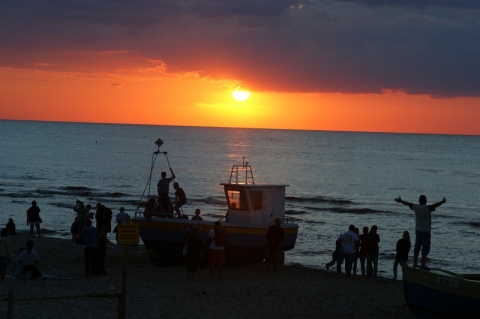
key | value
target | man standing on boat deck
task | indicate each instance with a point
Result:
(423, 226)
(163, 188)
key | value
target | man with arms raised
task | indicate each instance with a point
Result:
(423, 226)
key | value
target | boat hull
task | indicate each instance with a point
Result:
(164, 240)
(440, 294)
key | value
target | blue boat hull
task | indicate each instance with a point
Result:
(441, 294)
(425, 302)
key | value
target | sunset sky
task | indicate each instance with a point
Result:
(350, 65)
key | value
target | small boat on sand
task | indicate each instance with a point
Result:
(251, 209)
(438, 293)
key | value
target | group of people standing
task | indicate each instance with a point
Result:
(92, 238)
(217, 239)
(351, 246)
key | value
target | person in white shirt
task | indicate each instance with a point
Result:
(350, 242)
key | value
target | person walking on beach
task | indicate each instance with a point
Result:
(275, 236)
(163, 188)
(372, 252)
(217, 238)
(6, 255)
(423, 226)
(90, 246)
(337, 255)
(180, 198)
(194, 253)
(403, 248)
(349, 245)
(33, 218)
(363, 249)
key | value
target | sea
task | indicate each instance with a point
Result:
(335, 179)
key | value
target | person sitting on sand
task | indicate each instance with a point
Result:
(11, 228)
(29, 258)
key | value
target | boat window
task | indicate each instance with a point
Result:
(236, 200)
(257, 199)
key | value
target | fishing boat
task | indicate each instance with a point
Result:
(438, 293)
(251, 209)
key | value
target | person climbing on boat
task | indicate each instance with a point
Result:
(163, 188)
(180, 198)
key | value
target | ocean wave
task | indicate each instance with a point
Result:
(217, 201)
(24, 195)
(474, 224)
(294, 212)
(318, 199)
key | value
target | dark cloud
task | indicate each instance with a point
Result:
(420, 47)
(419, 3)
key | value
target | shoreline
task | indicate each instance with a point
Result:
(245, 291)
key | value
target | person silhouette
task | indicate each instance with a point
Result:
(423, 226)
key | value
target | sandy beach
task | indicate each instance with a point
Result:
(246, 291)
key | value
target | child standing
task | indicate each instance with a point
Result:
(403, 248)
(75, 230)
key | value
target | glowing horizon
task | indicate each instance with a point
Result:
(141, 63)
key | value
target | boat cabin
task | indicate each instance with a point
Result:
(250, 204)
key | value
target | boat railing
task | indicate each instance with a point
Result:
(288, 220)
(241, 174)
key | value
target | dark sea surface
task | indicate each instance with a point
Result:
(335, 178)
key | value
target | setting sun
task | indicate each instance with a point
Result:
(240, 95)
